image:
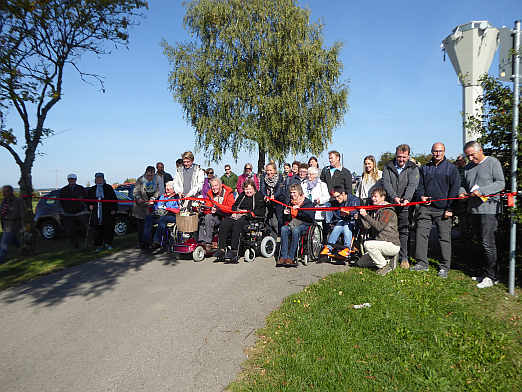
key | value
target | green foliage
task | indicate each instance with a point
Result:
(496, 126)
(421, 159)
(129, 180)
(385, 158)
(421, 333)
(257, 74)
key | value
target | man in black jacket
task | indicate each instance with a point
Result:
(400, 178)
(335, 175)
(102, 212)
(75, 214)
(439, 179)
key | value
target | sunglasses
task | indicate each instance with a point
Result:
(248, 168)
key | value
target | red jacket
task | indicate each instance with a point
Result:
(228, 201)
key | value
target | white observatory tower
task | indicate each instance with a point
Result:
(471, 48)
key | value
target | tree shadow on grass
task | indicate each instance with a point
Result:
(90, 279)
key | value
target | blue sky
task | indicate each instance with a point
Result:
(400, 91)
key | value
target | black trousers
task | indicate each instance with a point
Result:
(485, 228)
(277, 211)
(231, 228)
(427, 216)
(104, 233)
(75, 227)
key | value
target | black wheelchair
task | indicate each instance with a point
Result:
(257, 238)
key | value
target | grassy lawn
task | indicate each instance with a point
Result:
(421, 333)
(51, 256)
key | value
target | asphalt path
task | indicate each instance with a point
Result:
(137, 322)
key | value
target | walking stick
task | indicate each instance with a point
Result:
(87, 232)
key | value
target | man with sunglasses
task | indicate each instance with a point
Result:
(229, 178)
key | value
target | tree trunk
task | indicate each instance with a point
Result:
(261, 160)
(26, 192)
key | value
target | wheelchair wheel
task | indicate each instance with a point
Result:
(250, 255)
(314, 242)
(268, 247)
(198, 254)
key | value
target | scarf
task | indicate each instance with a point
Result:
(220, 197)
(311, 184)
(99, 196)
(271, 182)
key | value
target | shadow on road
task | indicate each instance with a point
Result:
(90, 279)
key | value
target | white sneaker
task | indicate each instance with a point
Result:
(486, 282)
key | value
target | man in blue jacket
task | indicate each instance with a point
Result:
(439, 179)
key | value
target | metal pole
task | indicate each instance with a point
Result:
(514, 155)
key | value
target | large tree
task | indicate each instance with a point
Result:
(38, 40)
(257, 74)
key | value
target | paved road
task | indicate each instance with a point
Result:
(139, 323)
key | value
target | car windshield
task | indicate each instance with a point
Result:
(122, 196)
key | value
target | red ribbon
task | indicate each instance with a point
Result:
(228, 210)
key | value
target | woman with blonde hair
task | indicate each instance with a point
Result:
(370, 178)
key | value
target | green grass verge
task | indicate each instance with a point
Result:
(421, 333)
(48, 259)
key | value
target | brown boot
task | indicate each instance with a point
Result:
(281, 262)
(291, 263)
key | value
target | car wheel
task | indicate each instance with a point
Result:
(49, 229)
(121, 226)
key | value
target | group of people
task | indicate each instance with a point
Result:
(282, 198)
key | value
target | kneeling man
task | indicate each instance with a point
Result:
(385, 244)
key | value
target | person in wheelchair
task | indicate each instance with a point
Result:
(221, 201)
(301, 220)
(344, 222)
(164, 212)
(249, 203)
(385, 244)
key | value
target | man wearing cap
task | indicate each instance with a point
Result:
(75, 214)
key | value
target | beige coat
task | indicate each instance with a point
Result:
(140, 211)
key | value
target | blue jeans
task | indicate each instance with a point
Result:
(296, 236)
(328, 214)
(8, 238)
(345, 228)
